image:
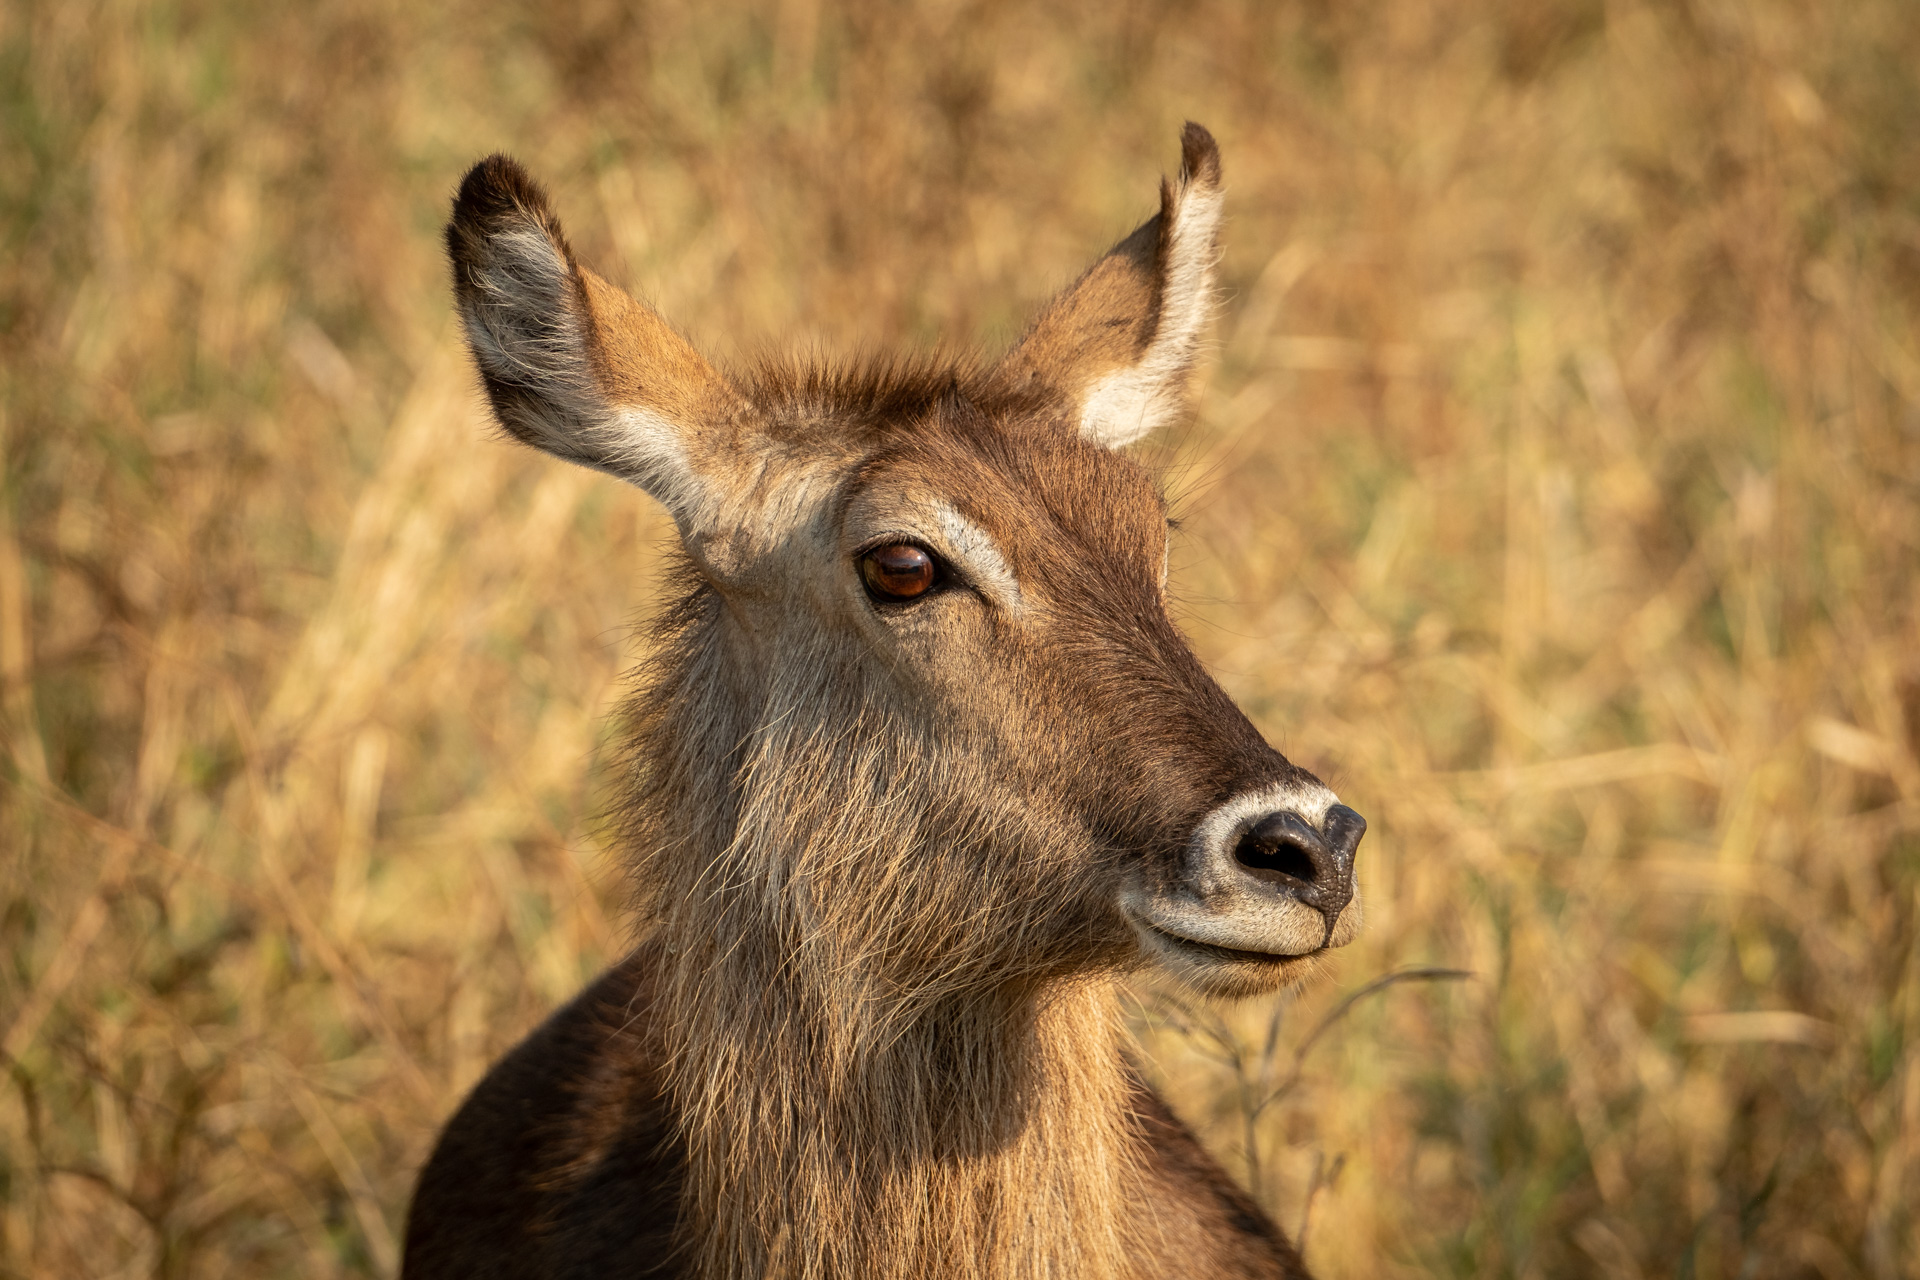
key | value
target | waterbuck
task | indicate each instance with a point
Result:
(919, 770)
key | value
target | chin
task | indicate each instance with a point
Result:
(1226, 973)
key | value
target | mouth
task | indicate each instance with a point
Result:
(1213, 951)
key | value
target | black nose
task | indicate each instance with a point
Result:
(1315, 867)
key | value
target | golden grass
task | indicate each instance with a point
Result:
(1555, 492)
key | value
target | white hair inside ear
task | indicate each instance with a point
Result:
(1118, 344)
(1126, 403)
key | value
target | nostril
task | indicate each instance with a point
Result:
(1283, 843)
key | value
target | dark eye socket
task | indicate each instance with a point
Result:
(899, 571)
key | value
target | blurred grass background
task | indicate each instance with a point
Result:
(1555, 492)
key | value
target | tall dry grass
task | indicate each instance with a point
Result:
(1555, 491)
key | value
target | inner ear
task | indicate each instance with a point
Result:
(1119, 343)
(575, 366)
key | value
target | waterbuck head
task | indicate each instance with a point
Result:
(921, 725)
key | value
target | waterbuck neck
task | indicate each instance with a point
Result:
(988, 1138)
(867, 1086)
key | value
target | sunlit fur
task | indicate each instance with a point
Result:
(880, 850)
(891, 923)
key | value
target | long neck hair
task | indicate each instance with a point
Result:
(881, 1060)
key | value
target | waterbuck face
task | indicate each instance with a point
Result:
(966, 743)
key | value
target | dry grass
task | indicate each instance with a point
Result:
(1556, 492)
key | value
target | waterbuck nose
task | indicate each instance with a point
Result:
(1315, 867)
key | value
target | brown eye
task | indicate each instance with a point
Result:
(898, 571)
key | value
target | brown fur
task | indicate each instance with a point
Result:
(881, 850)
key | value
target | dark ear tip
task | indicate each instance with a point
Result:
(495, 195)
(1199, 156)
(496, 189)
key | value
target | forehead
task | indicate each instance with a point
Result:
(1020, 477)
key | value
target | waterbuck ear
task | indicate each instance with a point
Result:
(1120, 341)
(572, 364)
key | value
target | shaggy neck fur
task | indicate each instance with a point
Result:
(874, 1074)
